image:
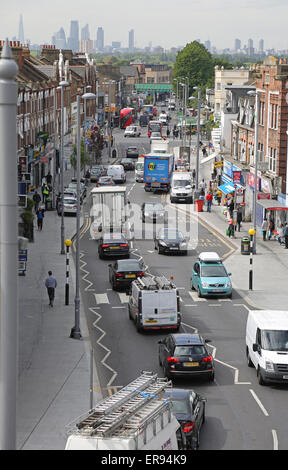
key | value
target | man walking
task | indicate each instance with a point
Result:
(285, 231)
(37, 200)
(209, 198)
(51, 285)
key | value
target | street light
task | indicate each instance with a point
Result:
(252, 232)
(257, 102)
(198, 138)
(75, 331)
(61, 87)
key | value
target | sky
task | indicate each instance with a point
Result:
(168, 23)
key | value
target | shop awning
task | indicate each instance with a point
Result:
(229, 187)
(272, 205)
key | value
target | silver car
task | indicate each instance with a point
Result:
(70, 205)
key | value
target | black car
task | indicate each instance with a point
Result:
(123, 272)
(185, 354)
(128, 164)
(105, 181)
(189, 409)
(113, 244)
(170, 240)
(153, 212)
(132, 152)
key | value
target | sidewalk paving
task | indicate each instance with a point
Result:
(270, 264)
(54, 369)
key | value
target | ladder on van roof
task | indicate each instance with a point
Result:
(154, 283)
(127, 409)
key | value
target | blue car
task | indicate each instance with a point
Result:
(209, 276)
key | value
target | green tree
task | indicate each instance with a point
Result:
(84, 157)
(196, 63)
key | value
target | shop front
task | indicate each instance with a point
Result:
(273, 211)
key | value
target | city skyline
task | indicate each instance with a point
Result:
(167, 28)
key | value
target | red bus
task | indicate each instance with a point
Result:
(126, 117)
(154, 126)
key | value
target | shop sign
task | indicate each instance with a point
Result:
(251, 179)
(237, 177)
(263, 196)
(266, 186)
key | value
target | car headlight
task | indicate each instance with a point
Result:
(204, 284)
(183, 245)
(269, 366)
(228, 284)
(162, 243)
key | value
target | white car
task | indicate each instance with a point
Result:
(155, 136)
(70, 206)
(132, 131)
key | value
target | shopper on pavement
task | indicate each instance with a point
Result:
(230, 228)
(37, 200)
(285, 231)
(194, 175)
(219, 196)
(51, 285)
(209, 198)
(264, 228)
(271, 227)
(40, 217)
(239, 219)
(280, 234)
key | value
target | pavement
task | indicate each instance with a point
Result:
(54, 369)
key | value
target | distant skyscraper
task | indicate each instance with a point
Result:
(261, 46)
(85, 35)
(207, 44)
(250, 50)
(100, 39)
(21, 30)
(131, 40)
(73, 41)
(237, 44)
(59, 39)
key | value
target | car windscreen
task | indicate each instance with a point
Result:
(180, 406)
(133, 266)
(180, 183)
(154, 208)
(139, 166)
(274, 340)
(171, 235)
(112, 237)
(189, 350)
(70, 201)
(213, 271)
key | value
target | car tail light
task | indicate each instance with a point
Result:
(141, 274)
(123, 244)
(104, 246)
(172, 360)
(75, 206)
(119, 275)
(207, 359)
(188, 427)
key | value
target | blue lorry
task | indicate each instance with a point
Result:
(158, 171)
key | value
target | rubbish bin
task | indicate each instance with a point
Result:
(199, 205)
(245, 246)
(114, 153)
(48, 204)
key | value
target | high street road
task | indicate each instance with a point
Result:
(240, 414)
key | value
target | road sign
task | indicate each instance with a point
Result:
(218, 164)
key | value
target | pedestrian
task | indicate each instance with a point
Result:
(285, 231)
(264, 227)
(230, 230)
(209, 198)
(168, 132)
(45, 192)
(51, 285)
(40, 217)
(202, 196)
(194, 174)
(49, 179)
(202, 184)
(239, 219)
(280, 234)
(37, 200)
(204, 152)
(219, 196)
(271, 227)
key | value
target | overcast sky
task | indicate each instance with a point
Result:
(167, 23)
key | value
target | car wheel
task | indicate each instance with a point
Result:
(114, 287)
(129, 311)
(101, 255)
(199, 292)
(211, 377)
(138, 325)
(249, 362)
(261, 381)
(192, 287)
(166, 372)
(230, 296)
(159, 360)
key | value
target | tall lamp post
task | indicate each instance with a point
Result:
(75, 331)
(257, 105)
(198, 138)
(62, 85)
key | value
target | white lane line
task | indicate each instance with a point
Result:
(195, 297)
(275, 439)
(123, 297)
(190, 305)
(258, 402)
(101, 298)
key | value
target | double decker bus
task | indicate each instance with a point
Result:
(154, 126)
(127, 117)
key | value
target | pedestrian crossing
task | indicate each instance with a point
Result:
(119, 299)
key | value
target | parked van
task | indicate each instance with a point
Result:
(154, 303)
(116, 172)
(267, 345)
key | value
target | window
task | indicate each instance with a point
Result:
(262, 113)
(272, 155)
(218, 86)
(273, 124)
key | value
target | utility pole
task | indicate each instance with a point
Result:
(8, 249)
(198, 139)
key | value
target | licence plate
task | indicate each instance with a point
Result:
(285, 377)
(191, 364)
(155, 185)
(151, 321)
(114, 247)
(218, 291)
(174, 248)
(130, 275)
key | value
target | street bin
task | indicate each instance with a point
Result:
(199, 205)
(245, 246)
(48, 204)
(114, 153)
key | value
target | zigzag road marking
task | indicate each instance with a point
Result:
(87, 288)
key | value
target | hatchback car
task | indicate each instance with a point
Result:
(153, 212)
(189, 409)
(95, 174)
(70, 206)
(83, 190)
(185, 354)
(209, 276)
(123, 272)
(127, 164)
(113, 244)
(155, 136)
(105, 181)
(132, 152)
(170, 240)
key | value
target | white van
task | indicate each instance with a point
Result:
(139, 170)
(163, 118)
(181, 187)
(154, 303)
(132, 131)
(267, 344)
(116, 172)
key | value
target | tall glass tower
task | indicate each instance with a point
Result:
(21, 30)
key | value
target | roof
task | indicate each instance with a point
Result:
(271, 204)
(109, 189)
(209, 256)
(187, 338)
(270, 319)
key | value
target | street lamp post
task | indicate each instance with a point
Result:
(68, 244)
(198, 138)
(75, 331)
(257, 105)
(252, 234)
(62, 85)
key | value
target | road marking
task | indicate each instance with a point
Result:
(195, 297)
(258, 402)
(123, 297)
(101, 298)
(191, 305)
(275, 439)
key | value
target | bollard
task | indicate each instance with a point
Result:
(68, 244)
